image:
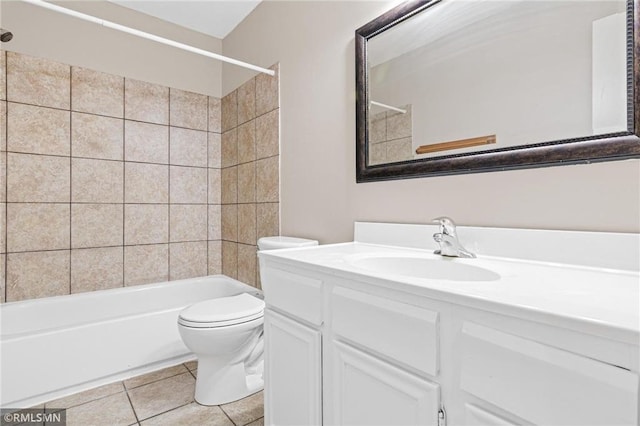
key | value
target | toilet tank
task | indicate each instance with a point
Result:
(280, 242)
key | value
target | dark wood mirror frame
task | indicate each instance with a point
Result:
(610, 147)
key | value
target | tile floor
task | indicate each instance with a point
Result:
(163, 397)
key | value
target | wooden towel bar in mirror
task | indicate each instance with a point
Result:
(465, 86)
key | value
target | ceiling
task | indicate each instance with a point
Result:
(216, 18)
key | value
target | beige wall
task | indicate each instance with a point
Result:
(46, 34)
(314, 43)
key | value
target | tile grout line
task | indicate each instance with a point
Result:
(135, 414)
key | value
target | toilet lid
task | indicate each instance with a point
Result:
(228, 310)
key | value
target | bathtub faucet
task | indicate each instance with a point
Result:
(447, 238)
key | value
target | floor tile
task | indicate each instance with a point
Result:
(259, 422)
(163, 395)
(154, 376)
(86, 396)
(191, 365)
(191, 415)
(109, 411)
(246, 410)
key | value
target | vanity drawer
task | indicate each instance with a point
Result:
(543, 384)
(405, 333)
(297, 295)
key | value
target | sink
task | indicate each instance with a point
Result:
(448, 269)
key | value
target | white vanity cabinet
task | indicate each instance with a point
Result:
(349, 350)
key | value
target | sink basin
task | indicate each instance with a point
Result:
(420, 267)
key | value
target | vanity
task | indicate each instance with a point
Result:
(543, 327)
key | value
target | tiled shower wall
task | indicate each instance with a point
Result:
(105, 181)
(250, 173)
(391, 137)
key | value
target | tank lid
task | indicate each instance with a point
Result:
(223, 309)
(273, 243)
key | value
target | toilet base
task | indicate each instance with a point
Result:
(218, 383)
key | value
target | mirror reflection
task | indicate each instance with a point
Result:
(469, 76)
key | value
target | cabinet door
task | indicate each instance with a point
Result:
(293, 374)
(369, 392)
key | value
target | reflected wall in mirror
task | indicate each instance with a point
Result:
(459, 86)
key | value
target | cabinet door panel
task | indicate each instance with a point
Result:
(293, 381)
(545, 385)
(476, 416)
(371, 392)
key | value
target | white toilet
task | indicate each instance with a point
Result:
(226, 336)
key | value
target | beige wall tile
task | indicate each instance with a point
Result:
(215, 112)
(229, 114)
(188, 185)
(247, 258)
(94, 136)
(215, 188)
(3, 227)
(97, 92)
(247, 101)
(229, 222)
(187, 260)
(3, 75)
(147, 143)
(399, 125)
(2, 278)
(146, 264)
(215, 150)
(399, 150)
(229, 148)
(267, 180)
(146, 224)
(247, 142)
(215, 222)
(247, 183)
(188, 109)
(146, 183)
(38, 81)
(96, 269)
(3, 125)
(215, 257)
(268, 134)
(229, 185)
(230, 259)
(377, 153)
(3, 177)
(96, 181)
(378, 128)
(37, 178)
(268, 222)
(96, 225)
(188, 222)
(188, 147)
(38, 130)
(247, 223)
(267, 92)
(32, 227)
(146, 102)
(37, 274)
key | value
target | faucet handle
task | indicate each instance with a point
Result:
(447, 225)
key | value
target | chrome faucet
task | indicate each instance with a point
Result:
(447, 238)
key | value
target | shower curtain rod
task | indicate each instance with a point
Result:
(142, 34)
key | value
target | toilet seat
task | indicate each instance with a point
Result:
(222, 312)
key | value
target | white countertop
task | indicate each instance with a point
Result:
(599, 301)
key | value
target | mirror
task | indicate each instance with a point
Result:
(463, 86)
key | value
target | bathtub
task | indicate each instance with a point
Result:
(61, 345)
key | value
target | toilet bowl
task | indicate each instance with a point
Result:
(226, 334)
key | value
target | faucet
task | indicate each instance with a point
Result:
(447, 238)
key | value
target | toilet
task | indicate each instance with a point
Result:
(226, 334)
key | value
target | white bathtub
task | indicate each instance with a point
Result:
(57, 346)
